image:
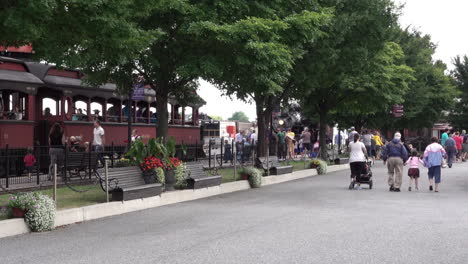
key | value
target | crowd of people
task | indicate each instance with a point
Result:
(58, 141)
(452, 147)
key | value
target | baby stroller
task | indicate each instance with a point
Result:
(365, 177)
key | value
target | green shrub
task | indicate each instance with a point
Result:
(320, 165)
(179, 174)
(40, 210)
(160, 175)
(41, 216)
(255, 176)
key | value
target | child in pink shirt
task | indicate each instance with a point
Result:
(413, 171)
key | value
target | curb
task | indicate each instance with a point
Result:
(13, 227)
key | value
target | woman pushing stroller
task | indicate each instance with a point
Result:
(357, 160)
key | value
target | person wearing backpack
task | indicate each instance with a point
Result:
(394, 155)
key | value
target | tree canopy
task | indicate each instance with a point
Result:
(459, 115)
(239, 116)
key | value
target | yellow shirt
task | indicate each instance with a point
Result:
(378, 141)
(290, 134)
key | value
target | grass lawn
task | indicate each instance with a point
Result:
(227, 174)
(67, 198)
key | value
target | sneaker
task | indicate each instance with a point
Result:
(430, 188)
(396, 190)
(436, 191)
(409, 189)
(417, 189)
(358, 187)
(392, 188)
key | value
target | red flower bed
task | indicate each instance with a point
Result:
(151, 163)
(172, 163)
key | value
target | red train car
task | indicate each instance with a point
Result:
(35, 95)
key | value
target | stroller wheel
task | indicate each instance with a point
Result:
(370, 184)
(351, 185)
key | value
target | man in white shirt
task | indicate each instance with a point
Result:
(98, 140)
(239, 145)
(253, 138)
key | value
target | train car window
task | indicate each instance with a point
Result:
(113, 112)
(49, 107)
(96, 111)
(153, 115)
(188, 114)
(169, 112)
(80, 111)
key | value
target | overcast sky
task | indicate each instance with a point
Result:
(445, 20)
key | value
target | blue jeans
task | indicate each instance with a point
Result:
(99, 148)
(434, 172)
(450, 156)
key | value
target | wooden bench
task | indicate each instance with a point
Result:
(197, 177)
(275, 167)
(127, 183)
(341, 161)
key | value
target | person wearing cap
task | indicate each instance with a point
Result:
(351, 135)
(394, 154)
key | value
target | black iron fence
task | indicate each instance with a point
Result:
(79, 160)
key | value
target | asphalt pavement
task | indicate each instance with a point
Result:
(313, 220)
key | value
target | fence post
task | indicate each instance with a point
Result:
(7, 166)
(65, 165)
(196, 150)
(89, 160)
(112, 155)
(107, 180)
(38, 164)
(209, 153)
(222, 148)
(55, 183)
(268, 156)
(232, 153)
(235, 159)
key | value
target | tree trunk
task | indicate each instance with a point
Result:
(262, 127)
(323, 114)
(161, 110)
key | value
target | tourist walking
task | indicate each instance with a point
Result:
(306, 140)
(465, 149)
(99, 140)
(444, 137)
(351, 135)
(459, 145)
(378, 145)
(29, 161)
(239, 140)
(290, 141)
(394, 155)
(56, 150)
(367, 140)
(450, 149)
(413, 171)
(357, 159)
(281, 144)
(433, 156)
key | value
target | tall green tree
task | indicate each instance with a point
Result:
(332, 70)
(239, 116)
(255, 55)
(459, 116)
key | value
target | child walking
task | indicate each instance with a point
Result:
(29, 161)
(413, 171)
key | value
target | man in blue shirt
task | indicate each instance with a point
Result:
(395, 155)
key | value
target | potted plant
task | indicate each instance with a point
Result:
(18, 205)
(148, 168)
(253, 175)
(170, 179)
(320, 165)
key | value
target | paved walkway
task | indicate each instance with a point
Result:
(314, 220)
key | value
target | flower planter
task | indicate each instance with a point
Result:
(170, 179)
(149, 176)
(313, 166)
(18, 212)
